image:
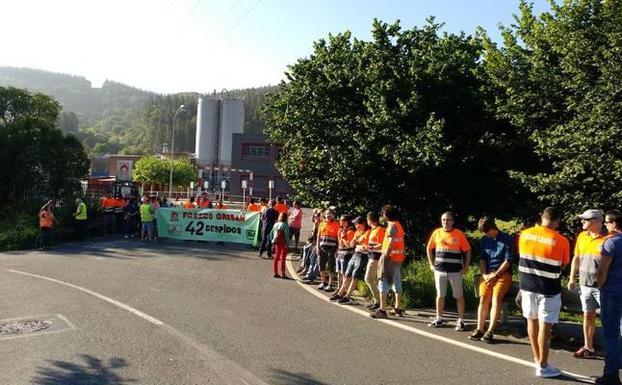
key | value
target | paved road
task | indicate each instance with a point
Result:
(200, 313)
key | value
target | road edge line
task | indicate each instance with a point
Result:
(520, 361)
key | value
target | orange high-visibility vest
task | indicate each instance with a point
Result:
(376, 236)
(397, 242)
(328, 233)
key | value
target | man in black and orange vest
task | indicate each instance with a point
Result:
(544, 254)
(108, 204)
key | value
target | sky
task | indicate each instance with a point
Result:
(172, 46)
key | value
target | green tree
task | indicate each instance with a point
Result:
(401, 119)
(558, 78)
(150, 170)
(36, 159)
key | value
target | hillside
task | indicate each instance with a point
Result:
(120, 118)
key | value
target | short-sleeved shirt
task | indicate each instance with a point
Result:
(295, 218)
(587, 249)
(448, 247)
(495, 251)
(542, 253)
(612, 248)
(146, 214)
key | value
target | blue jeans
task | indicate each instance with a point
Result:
(314, 269)
(391, 276)
(610, 314)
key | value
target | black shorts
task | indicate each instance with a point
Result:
(327, 259)
(374, 256)
(356, 266)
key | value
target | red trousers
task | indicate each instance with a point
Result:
(280, 252)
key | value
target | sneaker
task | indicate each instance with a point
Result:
(459, 325)
(329, 289)
(488, 338)
(308, 281)
(369, 306)
(322, 286)
(437, 323)
(344, 301)
(375, 306)
(335, 297)
(379, 314)
(126, 236)
(476, 336)
(609, 379)
(584, 353)
(547, 372)
(277, 276)
(398, 312)
(284, 276)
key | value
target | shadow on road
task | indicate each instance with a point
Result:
(92, 372)
(284, 377)
(135, 249)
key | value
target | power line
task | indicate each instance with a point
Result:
(194, 7)
(241, 18)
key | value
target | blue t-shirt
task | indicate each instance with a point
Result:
(496, 250)
(612, 248)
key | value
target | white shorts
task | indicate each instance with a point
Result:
(541, 307)
(440, 281)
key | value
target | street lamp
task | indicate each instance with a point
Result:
(170, 175)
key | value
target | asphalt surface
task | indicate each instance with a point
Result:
(198, 313)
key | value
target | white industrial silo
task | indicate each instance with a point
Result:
(231, 122)
(206, 146)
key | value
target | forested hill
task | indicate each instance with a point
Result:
(120, 118)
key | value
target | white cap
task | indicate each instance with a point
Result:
(592, 214)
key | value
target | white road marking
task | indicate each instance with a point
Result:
(123, 306)
(520, 361)
(229, 371)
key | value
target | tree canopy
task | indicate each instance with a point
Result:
(151, 170)
(558, 78)
(401, 119)
(36, 159)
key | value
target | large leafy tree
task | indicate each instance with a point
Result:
(36, 159)
(151, 170)
(400, 119)
(558, 78)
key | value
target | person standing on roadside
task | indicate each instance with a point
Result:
(446, 248)
(46, 222)
(253, 206)
(280, 206)
(280, 236)
(544, 254)
(374, 248)
(119, 213)
(392, 256)
(327, 234)
(609, 279)
(295, 224)
(205, 203)
(344, 250)
(108, 204)
(268, 218)
(356, 266)
(80, 215)
(146, 218)
(190, 203)
(585, 262)
(131, 217)
(495, 264)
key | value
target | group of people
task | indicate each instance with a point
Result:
(278, 225)
(341, 251)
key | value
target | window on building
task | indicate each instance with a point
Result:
(254, 151)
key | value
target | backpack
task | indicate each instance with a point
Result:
(280, 237)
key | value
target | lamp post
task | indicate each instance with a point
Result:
(170, 175)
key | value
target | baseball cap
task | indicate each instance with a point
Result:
(592, 214)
